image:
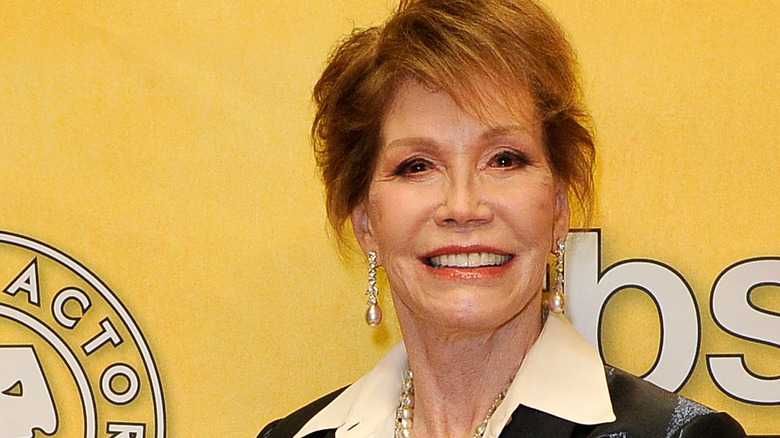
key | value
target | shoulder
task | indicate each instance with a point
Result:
(288, 426)
(643, 409)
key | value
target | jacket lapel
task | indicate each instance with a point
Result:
(529, 423)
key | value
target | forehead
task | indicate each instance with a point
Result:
(415, 105)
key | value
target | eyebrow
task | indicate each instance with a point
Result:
(413, 141)
(491, 133)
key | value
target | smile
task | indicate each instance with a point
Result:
(468, 260)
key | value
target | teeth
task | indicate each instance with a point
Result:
(468, 260)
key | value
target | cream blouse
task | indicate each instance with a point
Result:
(562, 374)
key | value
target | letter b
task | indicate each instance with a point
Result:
(588, 289)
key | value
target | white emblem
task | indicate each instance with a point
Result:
(73, 362)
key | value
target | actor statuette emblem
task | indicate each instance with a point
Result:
(73, 362)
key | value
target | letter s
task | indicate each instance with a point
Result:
(736, 314)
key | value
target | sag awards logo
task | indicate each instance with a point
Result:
(73, 362)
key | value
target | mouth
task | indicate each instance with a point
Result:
(468, 260)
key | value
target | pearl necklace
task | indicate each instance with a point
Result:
(405, 412)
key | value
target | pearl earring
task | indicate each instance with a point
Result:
(557, 300)
(374, 312)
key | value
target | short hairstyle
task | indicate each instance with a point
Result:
(454, 46)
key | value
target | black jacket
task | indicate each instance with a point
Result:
(642, 409)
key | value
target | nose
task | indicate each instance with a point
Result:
(464, 203)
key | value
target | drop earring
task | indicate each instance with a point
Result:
(557, 300)
(374, 312)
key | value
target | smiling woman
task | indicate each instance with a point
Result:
(449, 191)
(453, 139)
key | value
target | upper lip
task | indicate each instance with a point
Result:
(463, 249)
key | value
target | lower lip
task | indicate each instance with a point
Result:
(457, 273)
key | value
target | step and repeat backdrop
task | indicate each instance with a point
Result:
(165, 266)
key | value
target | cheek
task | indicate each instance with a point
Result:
(397, 215)
(529, 210)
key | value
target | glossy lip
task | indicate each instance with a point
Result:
(459, 273)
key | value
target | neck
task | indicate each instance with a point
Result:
(458, 373)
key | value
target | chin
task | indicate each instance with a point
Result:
(478, 318)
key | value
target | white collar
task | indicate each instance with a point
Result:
(577, 392)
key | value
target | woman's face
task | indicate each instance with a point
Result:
(462, 214)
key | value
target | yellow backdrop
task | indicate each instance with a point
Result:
(164, 146)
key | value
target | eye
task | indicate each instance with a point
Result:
(508, 160)
(412, 166)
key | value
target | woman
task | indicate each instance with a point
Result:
(453, 140)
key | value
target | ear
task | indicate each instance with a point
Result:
(361, 226)
(562, 214)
